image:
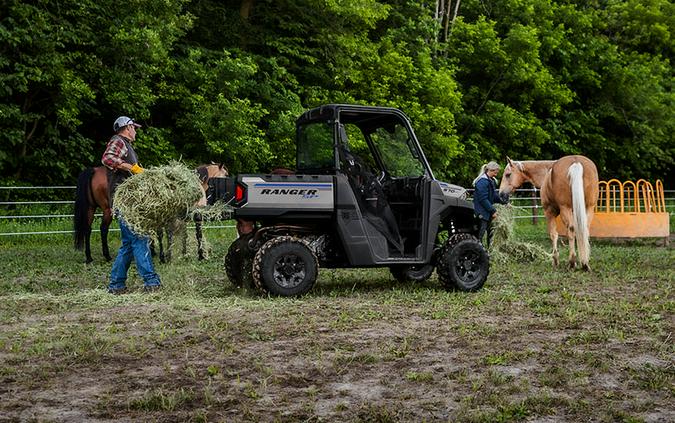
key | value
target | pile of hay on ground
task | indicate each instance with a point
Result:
(157, 197)
(504, 246)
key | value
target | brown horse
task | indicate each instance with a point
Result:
(569, 189)
(93, 192)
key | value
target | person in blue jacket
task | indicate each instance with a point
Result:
(485, 195)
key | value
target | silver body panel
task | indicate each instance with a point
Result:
(289, 194)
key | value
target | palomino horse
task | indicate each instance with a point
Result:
(569, 188)
(93, 192)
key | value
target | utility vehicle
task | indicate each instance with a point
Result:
(362, 195)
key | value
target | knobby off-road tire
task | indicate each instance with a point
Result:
(239, 262)
(285, 266)
(463, 264)
(412, 273)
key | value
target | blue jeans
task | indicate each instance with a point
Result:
(137, 248)
(485, 229)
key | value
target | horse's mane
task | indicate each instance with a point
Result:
(519, 165)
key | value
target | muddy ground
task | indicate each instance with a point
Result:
(536, 344)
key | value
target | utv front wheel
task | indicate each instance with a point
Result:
(411, 272)
(285, 266)
(464, 265)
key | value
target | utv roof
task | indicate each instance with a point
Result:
(344, 111)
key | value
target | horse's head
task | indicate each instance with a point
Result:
(514, 176)
(213, 170)
(217, 170)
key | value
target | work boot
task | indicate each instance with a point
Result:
(117, 291)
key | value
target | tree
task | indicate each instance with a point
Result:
(67, 69)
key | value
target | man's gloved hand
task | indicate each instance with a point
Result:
(135, 169)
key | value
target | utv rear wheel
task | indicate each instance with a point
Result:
(411, 273)
(463, 265)
(239, 262)
(285, 266)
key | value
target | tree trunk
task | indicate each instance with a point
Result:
(245, 9)
(446, 19)
(454, 15)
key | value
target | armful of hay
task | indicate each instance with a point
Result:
(157, 197)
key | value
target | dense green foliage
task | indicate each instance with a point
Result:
(210, 80)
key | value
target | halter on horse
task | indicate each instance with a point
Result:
(569, 189)
(93, 192)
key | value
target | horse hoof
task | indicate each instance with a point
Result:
(586, 267)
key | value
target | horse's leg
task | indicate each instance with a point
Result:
(199, 235)
(87, 234)
(181, 232)
(169, 243)
(553, 234)
(160, 235)
(105, 225)
(568, 220)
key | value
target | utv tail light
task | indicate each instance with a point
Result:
(238, 193)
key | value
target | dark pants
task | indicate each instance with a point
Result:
(485, 226)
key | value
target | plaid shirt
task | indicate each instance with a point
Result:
(114, 153)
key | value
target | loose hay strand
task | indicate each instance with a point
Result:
(505, 246)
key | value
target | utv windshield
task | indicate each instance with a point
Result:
(315, 148)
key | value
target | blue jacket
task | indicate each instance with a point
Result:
(484, 196)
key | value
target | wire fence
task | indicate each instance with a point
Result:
(54, 217)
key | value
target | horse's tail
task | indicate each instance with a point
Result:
(576, 175)
(81, 211)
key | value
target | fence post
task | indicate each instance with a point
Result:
(535, 210)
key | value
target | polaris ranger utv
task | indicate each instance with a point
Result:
(362, 195)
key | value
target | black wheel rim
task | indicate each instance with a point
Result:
(468, 266)
(289, 271)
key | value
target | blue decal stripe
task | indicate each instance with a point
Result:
(292, 185)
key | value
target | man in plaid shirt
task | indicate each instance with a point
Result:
(120, 158)
(119, 155)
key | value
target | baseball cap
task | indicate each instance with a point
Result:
(123, 121)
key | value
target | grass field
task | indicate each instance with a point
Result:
(536, 344)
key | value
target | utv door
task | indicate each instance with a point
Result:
(391, 183)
